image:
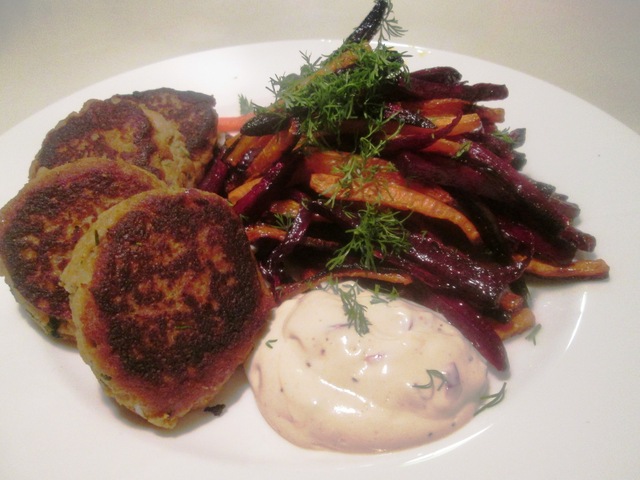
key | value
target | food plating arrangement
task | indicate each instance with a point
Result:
(360, 247)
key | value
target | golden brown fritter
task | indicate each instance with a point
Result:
(194, 114)
(165, 142)
(40, 226)
(167, 301)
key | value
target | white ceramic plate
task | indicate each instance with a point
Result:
(571, 409)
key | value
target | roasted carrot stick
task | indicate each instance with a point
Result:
(578, 269)
(233, 124)
(395, 196)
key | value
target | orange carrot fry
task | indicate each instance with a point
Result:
(468, 123)
(289, 208)
(434, 191)
(520, 322)
(512, 302)
(445, 147)
(395, 196)
(239, 192)
(244, 145)
(437, 107)
(233, 124)
(329, 162)
(580, 268)
(272, 151)
(495, 115)
(260, 230)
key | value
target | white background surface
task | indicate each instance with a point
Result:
(52, 48)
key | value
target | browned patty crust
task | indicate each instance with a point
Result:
(193, 112)
(167, 302)
(114, 130)
(170, 133)
(41, 225)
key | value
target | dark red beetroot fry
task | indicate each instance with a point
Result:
(426, 90)
(527, 190)
(449, 172)
(472, 324)
(258, 198)
(446, 75)
(497, 145)
(335, 214)
(215, 178)
(546, 211)
(407, 117)
(555, 251)
(265, 123)
(503, 150)
(216, 175)
(370, 25)
(483, 218)
(294, 237)
(442, 267)
(482, 284)
(494, 238)
(582, 240)
(420, 140)
(568, 209)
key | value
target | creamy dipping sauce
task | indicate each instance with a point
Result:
(411, 379)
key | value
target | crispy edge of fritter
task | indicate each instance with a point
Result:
(98, 130)
(53, 325)
(162, 145)
(77, 278)
(194, 114)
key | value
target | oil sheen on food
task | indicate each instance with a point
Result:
(413, 378)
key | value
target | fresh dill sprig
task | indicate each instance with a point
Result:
(246, 105)
(379, 233)
(356, 172)
(282, 221)
(325, 102)
(493, 399)
(353, 309)
(390, 27)
(383, 296)
(532, 335)
(464, 148)
(372, 143)
(504, 135)
(433, 376)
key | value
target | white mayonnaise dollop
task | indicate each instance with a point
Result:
(411, 379)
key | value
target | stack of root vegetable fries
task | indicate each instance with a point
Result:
(438, 210)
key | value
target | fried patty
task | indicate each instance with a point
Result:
(170, 133)
(194, 114)
(167, 301)
(40, 226)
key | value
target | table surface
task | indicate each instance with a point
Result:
(52, 48)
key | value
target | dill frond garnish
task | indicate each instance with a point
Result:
(282, 221)
(246, 106)
(532, 335)
(379, 233)
(493, 399)
(354, 310)
(384, 296)
(322, 103)
(433, 376)
(390, 27)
